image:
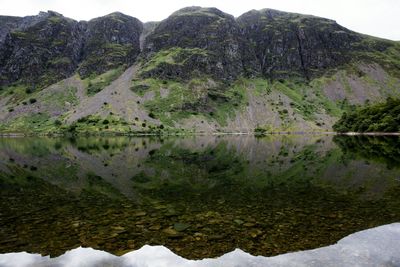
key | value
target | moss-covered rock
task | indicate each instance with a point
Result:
(177, 63)
(210, 30)
(110, 42)
(8, 23)
(290, 44)
(40, 50)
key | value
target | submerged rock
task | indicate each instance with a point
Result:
(181, 226)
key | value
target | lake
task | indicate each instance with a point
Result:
(200, 196)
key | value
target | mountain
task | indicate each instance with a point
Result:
(40, 50)
(109, 42)
(287, 44)
(199, 70)
(202, 41)
(44, 49)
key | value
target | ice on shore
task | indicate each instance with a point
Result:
(378, 246)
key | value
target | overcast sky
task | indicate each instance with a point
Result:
(375, 17)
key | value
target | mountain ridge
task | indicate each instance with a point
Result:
(200, 69)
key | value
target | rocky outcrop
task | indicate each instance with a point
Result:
(268, 43)
(110, 42)
(41, 50)
(192, 42)
(210, 44)
(7, 23)
(289, 44)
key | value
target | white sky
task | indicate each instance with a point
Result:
(375, 17)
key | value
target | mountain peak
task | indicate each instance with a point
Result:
(49, 13)
(273, 14)
(197, 10)
(271, 43)
(117, 14)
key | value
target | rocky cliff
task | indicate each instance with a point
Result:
(200, 69)
(288, 44)
(41, 50)
(197, 41)
(109, 42)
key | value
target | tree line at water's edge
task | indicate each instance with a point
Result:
(379, 117)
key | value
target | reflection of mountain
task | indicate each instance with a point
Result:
(148, 168)
(382, 149)
(200, 196)
(72, 163)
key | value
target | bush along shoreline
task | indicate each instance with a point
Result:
(379, 118)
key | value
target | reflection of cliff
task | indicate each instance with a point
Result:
(382, 149)
(69, 162)
(201, 164)
(200, 196)
(96, 164)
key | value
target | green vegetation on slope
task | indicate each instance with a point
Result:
(175, 63)
(202, 97)
(204, 104)
(60, 98)
(96, 83)
(381, 117)
(95, 124)
(18, 92)
(113, 56)
(112, 124)
(174, 55)
(31, 123)
(384, 52)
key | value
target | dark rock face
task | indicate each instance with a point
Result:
(288, 44)
(192, 42)
(40, 50)
(7, 23)
(110, 41)
(267, 43)
(217, 34)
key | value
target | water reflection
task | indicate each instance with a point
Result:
(200, 196)
(384, 149)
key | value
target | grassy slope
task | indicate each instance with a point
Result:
(96, 83)
(202, 104)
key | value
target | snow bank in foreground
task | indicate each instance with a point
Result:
(374, 247)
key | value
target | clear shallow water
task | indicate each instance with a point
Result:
(199, 196)
(373, 247)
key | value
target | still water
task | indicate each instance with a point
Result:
(200, 196)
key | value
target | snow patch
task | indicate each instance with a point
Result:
(378, 246)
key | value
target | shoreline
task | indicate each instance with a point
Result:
(194, 134)
(163, 134)
(371, 134)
